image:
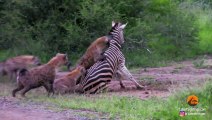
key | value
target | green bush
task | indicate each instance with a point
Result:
(166, 27)
(201, 9)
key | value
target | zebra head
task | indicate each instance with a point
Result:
(117, 32)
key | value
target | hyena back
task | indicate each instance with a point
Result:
(67, 84)
(12, 65)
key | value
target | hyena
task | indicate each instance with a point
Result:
(67, 84)
(43, 75)
(12, 65)
(94, 53)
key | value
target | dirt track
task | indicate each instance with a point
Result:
(17, 109)
(158, 81)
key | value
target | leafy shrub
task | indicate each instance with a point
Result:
(43, 28)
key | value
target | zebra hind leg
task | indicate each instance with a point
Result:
(102, 87)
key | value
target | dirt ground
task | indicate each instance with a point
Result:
(159, 82)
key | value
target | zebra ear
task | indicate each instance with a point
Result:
(123, 26)
(113, 23)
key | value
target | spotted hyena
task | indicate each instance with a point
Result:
(67, 84)
(12, 65)
(94, 52)
(43, 75)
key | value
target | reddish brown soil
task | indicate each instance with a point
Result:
(162, 81)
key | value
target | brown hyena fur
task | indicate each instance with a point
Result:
(67, 84)
(2, 71)
(12, 65)
(43, 75)
(94, 53)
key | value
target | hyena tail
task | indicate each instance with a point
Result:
(22, 72)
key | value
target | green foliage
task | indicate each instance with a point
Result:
(201, 9)
(205, 34)
(166, 27)
(144, 59)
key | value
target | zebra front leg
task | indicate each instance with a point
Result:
(118, 76)
(125, 72)
(138, 86)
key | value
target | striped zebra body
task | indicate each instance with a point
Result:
(101, 73)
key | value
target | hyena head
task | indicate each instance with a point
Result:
(80, 72)
(60, 59)
(81, 69)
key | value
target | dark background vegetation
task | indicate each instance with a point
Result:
(170, 29)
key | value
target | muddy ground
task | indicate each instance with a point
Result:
(159, 82)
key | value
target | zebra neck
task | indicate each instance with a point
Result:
(113, 53)
(115, 43)
(109, 37)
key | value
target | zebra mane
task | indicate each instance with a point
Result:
(112, 29)
(111, 35)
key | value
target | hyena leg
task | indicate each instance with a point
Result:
(20, 87)
(52, 87)
(79, 89)
(25, 90)
(47, 87)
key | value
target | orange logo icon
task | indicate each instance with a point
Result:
(192, 100)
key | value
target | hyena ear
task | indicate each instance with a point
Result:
(113, 23)
(123, 26)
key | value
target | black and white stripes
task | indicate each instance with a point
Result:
(100, 74)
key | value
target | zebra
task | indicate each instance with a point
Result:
(100, 74)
